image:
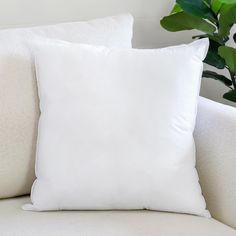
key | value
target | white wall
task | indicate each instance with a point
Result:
(148, 13)
(148, 33)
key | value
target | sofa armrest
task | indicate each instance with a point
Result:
(215, 137)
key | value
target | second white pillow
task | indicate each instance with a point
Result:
(116, 128)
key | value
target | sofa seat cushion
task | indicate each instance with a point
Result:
(15, 221)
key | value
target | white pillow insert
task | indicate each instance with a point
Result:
(116, 128)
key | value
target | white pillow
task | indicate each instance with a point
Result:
(116, 128)
(18, 93)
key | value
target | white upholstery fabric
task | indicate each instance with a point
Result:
(18, 96)
(215, 137)
(16, 222)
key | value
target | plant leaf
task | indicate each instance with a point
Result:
(197, 8)
(227, 19)
(177, 8)
(213, 58)
(218, 39)
(231, 95)
(229, 55)
(228, 1)
(183, 21)
(214, 75)
(216, 5)
(214, 37)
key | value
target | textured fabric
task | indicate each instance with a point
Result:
(110, 136)
(215, 137)
(16, 222)
(18, 96)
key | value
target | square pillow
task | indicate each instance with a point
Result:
(116, 128)
(18, 93)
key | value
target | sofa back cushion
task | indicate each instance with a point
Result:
(19, 110)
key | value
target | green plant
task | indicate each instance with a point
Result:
(215, 19)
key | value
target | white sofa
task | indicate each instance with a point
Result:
(215, 137)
